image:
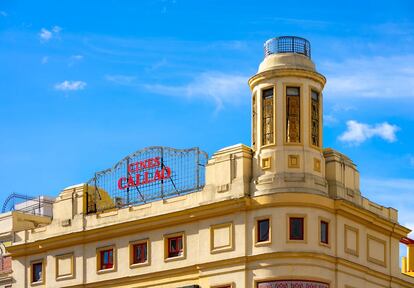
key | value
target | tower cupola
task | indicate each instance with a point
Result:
(287, 118)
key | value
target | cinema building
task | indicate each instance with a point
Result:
(282, 213)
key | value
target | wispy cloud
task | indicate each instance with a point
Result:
(70, 85)
(371, 77)
(121, 79)
(45, 34)
(45, 60)
(75, 59)
(211, 86)
(358, 133)
(3, 13)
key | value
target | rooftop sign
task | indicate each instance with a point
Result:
(147, 175)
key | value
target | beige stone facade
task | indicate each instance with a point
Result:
(282, 213)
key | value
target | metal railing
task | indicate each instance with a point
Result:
(147, 175)
(287, 44)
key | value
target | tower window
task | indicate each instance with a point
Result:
(324, 232)
(263, 230)
(254, 121)
(296, 228)
(293, 114)
(315, 118)
(267, 116)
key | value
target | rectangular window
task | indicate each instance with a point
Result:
(293, 114)
(267, 116)
(296, 228)
(315, 118)
(175, 246)
(263, 230)
(106, 259)
(37, 272)
(324, 232)
(140, 254)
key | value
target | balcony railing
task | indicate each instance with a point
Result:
(287, 44)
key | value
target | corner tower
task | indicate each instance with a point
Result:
(287, 107)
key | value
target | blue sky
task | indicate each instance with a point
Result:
(84, 83)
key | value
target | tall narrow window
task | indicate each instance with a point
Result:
(254, 121)
(315, 118)
(296, 228)
(267, 116)
(324, 232)
(293, 114)
(263, 230)
(37, 272)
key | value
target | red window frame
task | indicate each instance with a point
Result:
(259, 239)
(141, 257)
(325, 237)
(292, 232)
(106, 259)
(177, 249)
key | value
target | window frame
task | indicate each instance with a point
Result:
(99, 251)
(320, 130)
(328, 222)
(42, 278)
(262, 136)
(167, 239)
(289, 228)
(257, 220)
(285, 113)
(132, 245)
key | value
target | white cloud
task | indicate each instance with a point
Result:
(45, 60)
(76, 57)
(70, 85)
(358, 133)
(212, 86)
(371, 77)
(45, 34)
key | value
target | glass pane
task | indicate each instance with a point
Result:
(296, 228)
(292, 91)
(263, 230)
(37, 272)
(324, 232)
(315, 95)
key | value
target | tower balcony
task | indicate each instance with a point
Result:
(287, 44)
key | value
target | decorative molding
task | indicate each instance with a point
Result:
(71, 274)
(230, 241)
(347, 249)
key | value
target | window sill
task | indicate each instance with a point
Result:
(137, 265)
(263, 243)
(103, 271)
(176, 258)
